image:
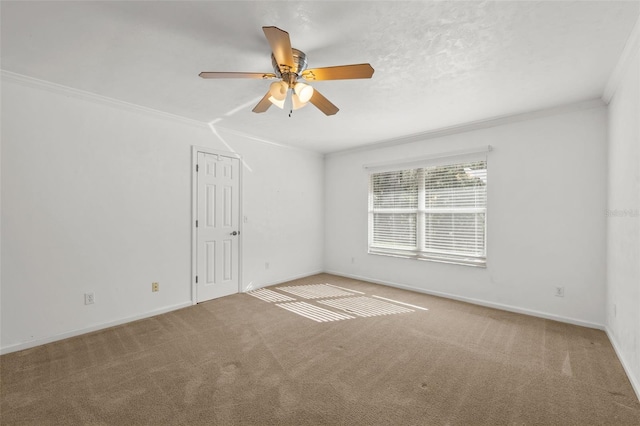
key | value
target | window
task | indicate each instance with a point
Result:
(435, 212)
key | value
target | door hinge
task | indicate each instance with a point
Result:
(197, 168)
(196, 223)
(196, 279)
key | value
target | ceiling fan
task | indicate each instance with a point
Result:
(290, 67)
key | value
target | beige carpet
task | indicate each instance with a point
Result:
(246, 360)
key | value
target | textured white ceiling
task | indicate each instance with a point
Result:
(437, 63)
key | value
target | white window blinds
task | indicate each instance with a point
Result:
(435, 212)
(395, 204)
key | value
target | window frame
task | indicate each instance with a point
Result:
(420, 250)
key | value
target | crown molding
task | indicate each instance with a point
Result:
(93, 97)
(631, 49)
(475, 125)
(432, 134)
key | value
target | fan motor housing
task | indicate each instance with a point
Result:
(299, 61)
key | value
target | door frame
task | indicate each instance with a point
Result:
(194, 214)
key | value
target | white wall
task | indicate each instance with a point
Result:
(623, 222)
(546, 228)
(96, 196)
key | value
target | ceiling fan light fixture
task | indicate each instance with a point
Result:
(304, 92)
(278, 91)
(296, 102)
(277, 102)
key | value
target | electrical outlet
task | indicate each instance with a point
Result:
(353, 260)
(155, 286)
(89, 298)
(266, 265)
(559, 291)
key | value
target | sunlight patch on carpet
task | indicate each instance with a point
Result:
(270, 295)
(365, 306)
(313, 312)
(346, 289)
(314, 291)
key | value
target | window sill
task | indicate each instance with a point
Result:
(472, 263)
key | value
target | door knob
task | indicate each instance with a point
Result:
(235, 233)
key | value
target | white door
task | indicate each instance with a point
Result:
(217, 226)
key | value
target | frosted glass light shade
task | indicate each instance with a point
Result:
(296, 102)
(277, 102)
(304, 92)
(278, 90)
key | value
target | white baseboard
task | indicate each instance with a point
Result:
(42, 341)
(254, 286)
(480, 302)
(635, 383)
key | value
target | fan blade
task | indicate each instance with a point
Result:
(237, 75)
(341, 72)
(263, 105)
(280, 46)
(323, 104)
